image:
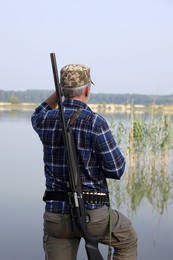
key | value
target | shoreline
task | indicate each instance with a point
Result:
(107, 108)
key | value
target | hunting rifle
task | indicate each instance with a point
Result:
(75, 193)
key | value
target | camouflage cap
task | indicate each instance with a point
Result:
(75, 75)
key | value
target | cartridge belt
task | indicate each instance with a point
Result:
(89, 197)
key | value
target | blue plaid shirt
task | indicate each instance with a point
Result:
(98, 155)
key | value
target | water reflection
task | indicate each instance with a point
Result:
(145, 194)
(15, 115)
(157, 188)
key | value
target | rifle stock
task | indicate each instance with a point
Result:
(75, 194)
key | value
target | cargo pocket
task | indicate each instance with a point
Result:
(52, 224)
(121, 227)
(99, 221)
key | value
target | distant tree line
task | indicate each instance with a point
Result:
(37, 96)
(131, 99)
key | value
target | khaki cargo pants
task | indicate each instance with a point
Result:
(61, 242)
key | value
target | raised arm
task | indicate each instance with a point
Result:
(52, 100)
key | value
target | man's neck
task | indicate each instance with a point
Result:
(82, 99)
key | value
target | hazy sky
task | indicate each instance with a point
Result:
(128, 44)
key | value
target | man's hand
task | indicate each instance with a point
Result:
(52, 101)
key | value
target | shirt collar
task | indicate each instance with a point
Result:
(75, 103)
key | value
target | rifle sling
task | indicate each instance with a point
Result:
(74, 116)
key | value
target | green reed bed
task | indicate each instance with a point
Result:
(148, 147)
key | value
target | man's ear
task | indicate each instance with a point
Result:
(87, 91)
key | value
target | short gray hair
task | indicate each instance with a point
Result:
(73, 92)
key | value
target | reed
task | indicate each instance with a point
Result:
(147, 143)
(149, 140)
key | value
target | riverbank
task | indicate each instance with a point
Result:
(107, 108)
(7, 106)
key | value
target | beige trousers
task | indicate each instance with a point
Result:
(61, 242)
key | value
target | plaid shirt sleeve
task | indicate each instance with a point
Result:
(112, 160)
(39, 115)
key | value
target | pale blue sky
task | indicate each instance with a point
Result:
(128, 44)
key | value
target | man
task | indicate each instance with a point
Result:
(98, 157)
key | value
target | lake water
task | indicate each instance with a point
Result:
(22, 187)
